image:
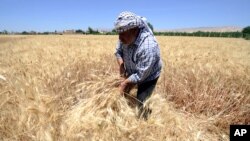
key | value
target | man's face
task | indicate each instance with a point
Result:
(128, 37)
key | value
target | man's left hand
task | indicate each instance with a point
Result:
(124, 85)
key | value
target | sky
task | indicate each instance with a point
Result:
(51, 15)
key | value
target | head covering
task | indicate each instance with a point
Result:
(128, 20)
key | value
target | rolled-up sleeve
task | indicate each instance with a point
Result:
(118, 52)
(146, 59)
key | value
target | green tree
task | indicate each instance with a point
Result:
(25, 33)
(5, 32)
(45, 33)
(92, 31)
(113, 32)
(79, 31)
(246, 32)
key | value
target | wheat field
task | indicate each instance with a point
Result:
(58, 88)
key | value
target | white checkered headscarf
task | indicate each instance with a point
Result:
(128, 20)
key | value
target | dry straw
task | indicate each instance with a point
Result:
(66, 88)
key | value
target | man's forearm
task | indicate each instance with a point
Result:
(121, 67)
(120, 61)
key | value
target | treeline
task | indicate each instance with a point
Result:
(96, 32)
(113, 32)
(78, 31)
(202, 34)
(245, 33)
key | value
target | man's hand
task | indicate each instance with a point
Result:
(124, 86)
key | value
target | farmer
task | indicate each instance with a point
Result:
(138, 56)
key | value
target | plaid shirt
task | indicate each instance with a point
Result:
(142, 58)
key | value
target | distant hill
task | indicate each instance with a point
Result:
(205, 29)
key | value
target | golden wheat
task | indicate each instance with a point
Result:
(66, 88)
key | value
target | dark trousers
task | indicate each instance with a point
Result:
(145, 90)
